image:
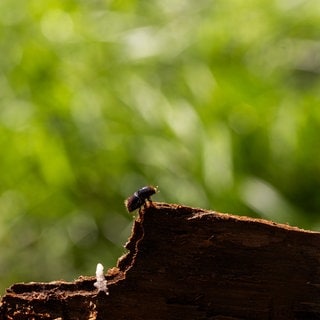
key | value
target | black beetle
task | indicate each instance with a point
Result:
(138, 199)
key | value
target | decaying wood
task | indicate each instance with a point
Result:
(187, 263)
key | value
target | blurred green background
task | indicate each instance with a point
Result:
(216, 102)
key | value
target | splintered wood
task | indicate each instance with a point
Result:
(189, 263)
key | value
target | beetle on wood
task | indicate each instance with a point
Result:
(139, 198)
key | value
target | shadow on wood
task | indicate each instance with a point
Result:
(188, 263)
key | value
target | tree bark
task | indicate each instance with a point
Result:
(188, 263)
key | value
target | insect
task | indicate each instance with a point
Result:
(139, 198)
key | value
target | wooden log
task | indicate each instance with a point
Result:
(189, 263)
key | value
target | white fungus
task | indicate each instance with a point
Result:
(101, 283)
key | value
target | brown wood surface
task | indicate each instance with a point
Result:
(188, 263)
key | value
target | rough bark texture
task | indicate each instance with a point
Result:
(187, 263)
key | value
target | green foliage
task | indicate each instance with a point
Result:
(216, 102)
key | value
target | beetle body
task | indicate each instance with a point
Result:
(139, 198)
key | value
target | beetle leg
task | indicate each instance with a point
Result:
(150, 203)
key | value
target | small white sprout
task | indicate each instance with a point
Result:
(101, 283)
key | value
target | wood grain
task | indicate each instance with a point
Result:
(190, 263)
